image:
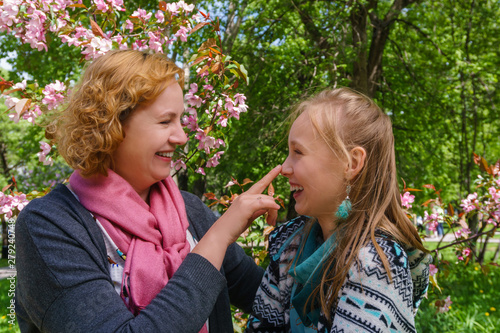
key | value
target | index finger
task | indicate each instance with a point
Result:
(261, 185)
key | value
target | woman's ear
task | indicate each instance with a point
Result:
(358, 156)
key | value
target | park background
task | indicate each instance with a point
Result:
(433, 67)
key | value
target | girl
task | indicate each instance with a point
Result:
(353, 261)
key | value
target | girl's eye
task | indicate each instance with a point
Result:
(298, 152)
(166, 122)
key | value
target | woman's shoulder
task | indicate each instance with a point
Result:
(58, 208)
(58, 199)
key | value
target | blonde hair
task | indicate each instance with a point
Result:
(89, 129)
(346, 119)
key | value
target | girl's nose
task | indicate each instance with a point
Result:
(286, 169)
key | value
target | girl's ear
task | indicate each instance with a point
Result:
(358, 156)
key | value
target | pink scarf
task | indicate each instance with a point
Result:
(152, 237)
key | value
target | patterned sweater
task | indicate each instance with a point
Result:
(368, 301)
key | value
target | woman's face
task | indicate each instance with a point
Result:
(152, 132)
(315, 173)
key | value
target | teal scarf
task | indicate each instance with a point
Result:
(306, 269)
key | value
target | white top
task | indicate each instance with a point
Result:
(117, 264)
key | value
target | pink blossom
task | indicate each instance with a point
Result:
(139, 45)
(32, 114)
(470, 203)
(185, 6)
(193, 100)
(407, 199)
(155, 42)
(240, 98)
(178, 164)
(460, 258)
(446, 305)
(59, 23)
(495, 194)
(206, 141)
(129, 25)
(230, 183)
(219, 142)
(160, 17)
(462, 232)
(432, 220)
(42, 155)
(19, 201)
(222, 121)
(142, 14)
(9, 11)
(53, 96)
(10, 101)
(208, 87)
(98, 46)
(202, 74)
(20, 85)
(432, 269)
(200, 170)
(101, 5)
(117, 5)
(233, 109)
(193, 88)
(197, 17)
(214, 161)
(190, 122)
(173, 8)
(466, 252)
(182, 33)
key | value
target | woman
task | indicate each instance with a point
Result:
(353, 262)
(120, 248)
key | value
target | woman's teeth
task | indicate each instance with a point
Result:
(164, 154)
(296, 188)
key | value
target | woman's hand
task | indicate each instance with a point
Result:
(244, 210)
(248, 206)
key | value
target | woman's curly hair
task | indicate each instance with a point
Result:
(89, 128)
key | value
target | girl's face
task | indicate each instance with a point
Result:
(315, 173)
(152, 132)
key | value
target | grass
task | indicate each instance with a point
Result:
(5, 325)
(448, 254)
(475, 294)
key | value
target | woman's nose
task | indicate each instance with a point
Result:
(179, 137)
(286, 169)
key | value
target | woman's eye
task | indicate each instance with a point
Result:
(166, 122)
(298, 152)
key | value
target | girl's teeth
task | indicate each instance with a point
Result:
(165, 154)
(296, 188)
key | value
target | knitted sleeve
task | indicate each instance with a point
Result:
(369, 300)
(64, 284)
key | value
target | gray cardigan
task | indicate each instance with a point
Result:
(64, 285)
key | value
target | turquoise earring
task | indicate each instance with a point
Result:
(345, 207)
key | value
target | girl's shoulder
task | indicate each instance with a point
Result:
(408, 266)
(369, 259)
(285, 235)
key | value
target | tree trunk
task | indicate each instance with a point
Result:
(234, 19)
(358, 19)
